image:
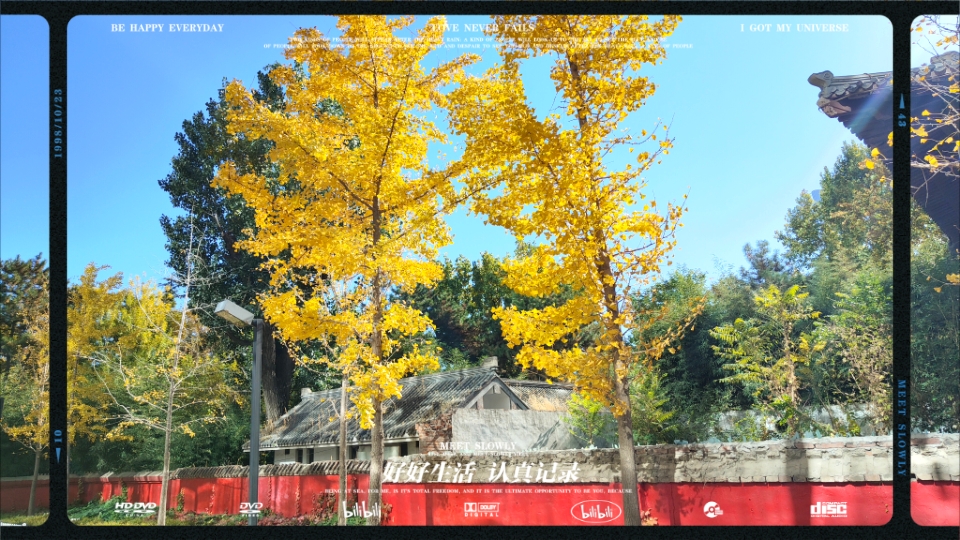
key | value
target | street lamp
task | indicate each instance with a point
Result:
(241, 317)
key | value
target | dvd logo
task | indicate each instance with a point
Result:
(135, 508)
(712, 510)
(595, 511)
(828, 509)
(250, 508)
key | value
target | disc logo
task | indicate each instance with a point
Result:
(135, 508)
(828, 510)
(250, 508)
(596, 511)
(712, 510)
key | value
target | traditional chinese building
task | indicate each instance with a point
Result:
(440, 412)
(864, 103)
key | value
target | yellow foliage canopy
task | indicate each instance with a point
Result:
(553, 183)
(356, 208)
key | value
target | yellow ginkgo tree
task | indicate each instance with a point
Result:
(96, 318)
(25, 379)
(356, 208)
(157, 372)
(554, 181)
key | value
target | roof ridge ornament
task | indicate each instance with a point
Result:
(821, 80)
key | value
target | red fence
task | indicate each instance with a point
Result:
(510, 504)
(670, 504)
(934, 503)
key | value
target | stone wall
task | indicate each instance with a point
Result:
(853, 459)
(935, 456)
(848, 459)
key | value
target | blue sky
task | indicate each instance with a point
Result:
(749, 136)
(24, 158)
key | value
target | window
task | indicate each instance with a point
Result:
(300, 455)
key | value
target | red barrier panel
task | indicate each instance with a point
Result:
(15, 495)
(671, 504)
(935, 503)
(285, 495)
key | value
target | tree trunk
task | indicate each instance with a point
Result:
(376, 464)
(628, 462)
(621, 390)
(284, 370)
(31, 505)
(342, 501)
(376, 345)
(165, 478)
(66, 461)
(271, 399)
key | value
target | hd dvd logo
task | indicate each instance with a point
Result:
(712, 510)
(135, 508)
(596, 511)
(484, 509)
(251, 508)
(828, 510)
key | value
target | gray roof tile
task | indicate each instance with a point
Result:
(313, 421)
(540, 396)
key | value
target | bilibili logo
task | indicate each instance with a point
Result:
(360, 510)
(596, 511)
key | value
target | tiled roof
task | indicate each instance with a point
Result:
(423, 399)
(540, 396)
(864, 105)
(835, 89)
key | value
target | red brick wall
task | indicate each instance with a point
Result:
(436, 431)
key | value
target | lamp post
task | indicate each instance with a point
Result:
(241, 317)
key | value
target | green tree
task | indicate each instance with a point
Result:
(860, 338)
(588, 420)
(852, 222)
(770, 357)
(222, 220)
(25, 379)
(163, 377)
(685, 379)
(935, 330)
(461, 307)
(21, 284)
